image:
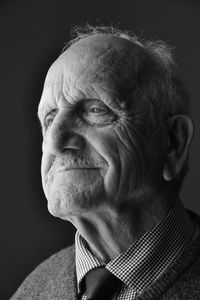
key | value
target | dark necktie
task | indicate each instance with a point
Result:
(101, 284)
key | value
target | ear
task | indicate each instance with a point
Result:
(180, 134)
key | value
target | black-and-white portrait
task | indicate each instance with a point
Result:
(100, 150)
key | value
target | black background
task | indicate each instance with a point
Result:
(32, 35)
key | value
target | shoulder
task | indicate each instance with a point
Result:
(57, 261)
(187, 285)
(182, 278)
(185, 274)
(55, 264)
(45, 277)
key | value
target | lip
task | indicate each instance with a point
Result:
(63, 169)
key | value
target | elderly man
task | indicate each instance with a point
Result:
(116, 134)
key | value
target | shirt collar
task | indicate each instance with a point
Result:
(147, 258)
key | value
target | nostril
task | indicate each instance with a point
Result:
(74, 141)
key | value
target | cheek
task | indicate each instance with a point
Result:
(104, 142)
(118, 145)
(125, 157)
(132, 146)
(142, 156)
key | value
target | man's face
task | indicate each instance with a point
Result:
(97, 150)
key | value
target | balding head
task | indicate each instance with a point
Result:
(101, 58)
(108, 56)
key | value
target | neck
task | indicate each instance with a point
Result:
(110, 232)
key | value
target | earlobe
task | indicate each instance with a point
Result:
(169, 172)
(180, 133)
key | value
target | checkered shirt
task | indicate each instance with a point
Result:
(146, 259)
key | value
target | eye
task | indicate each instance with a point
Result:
(96, 110)
(49, 118)
(97, 113)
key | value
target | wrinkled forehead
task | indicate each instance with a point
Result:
(95, 62)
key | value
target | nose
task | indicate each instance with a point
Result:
(64, 134)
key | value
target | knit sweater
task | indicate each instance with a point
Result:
(55, 278)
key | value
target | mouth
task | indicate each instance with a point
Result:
(64, 169)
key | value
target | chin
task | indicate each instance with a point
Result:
(74, 199)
